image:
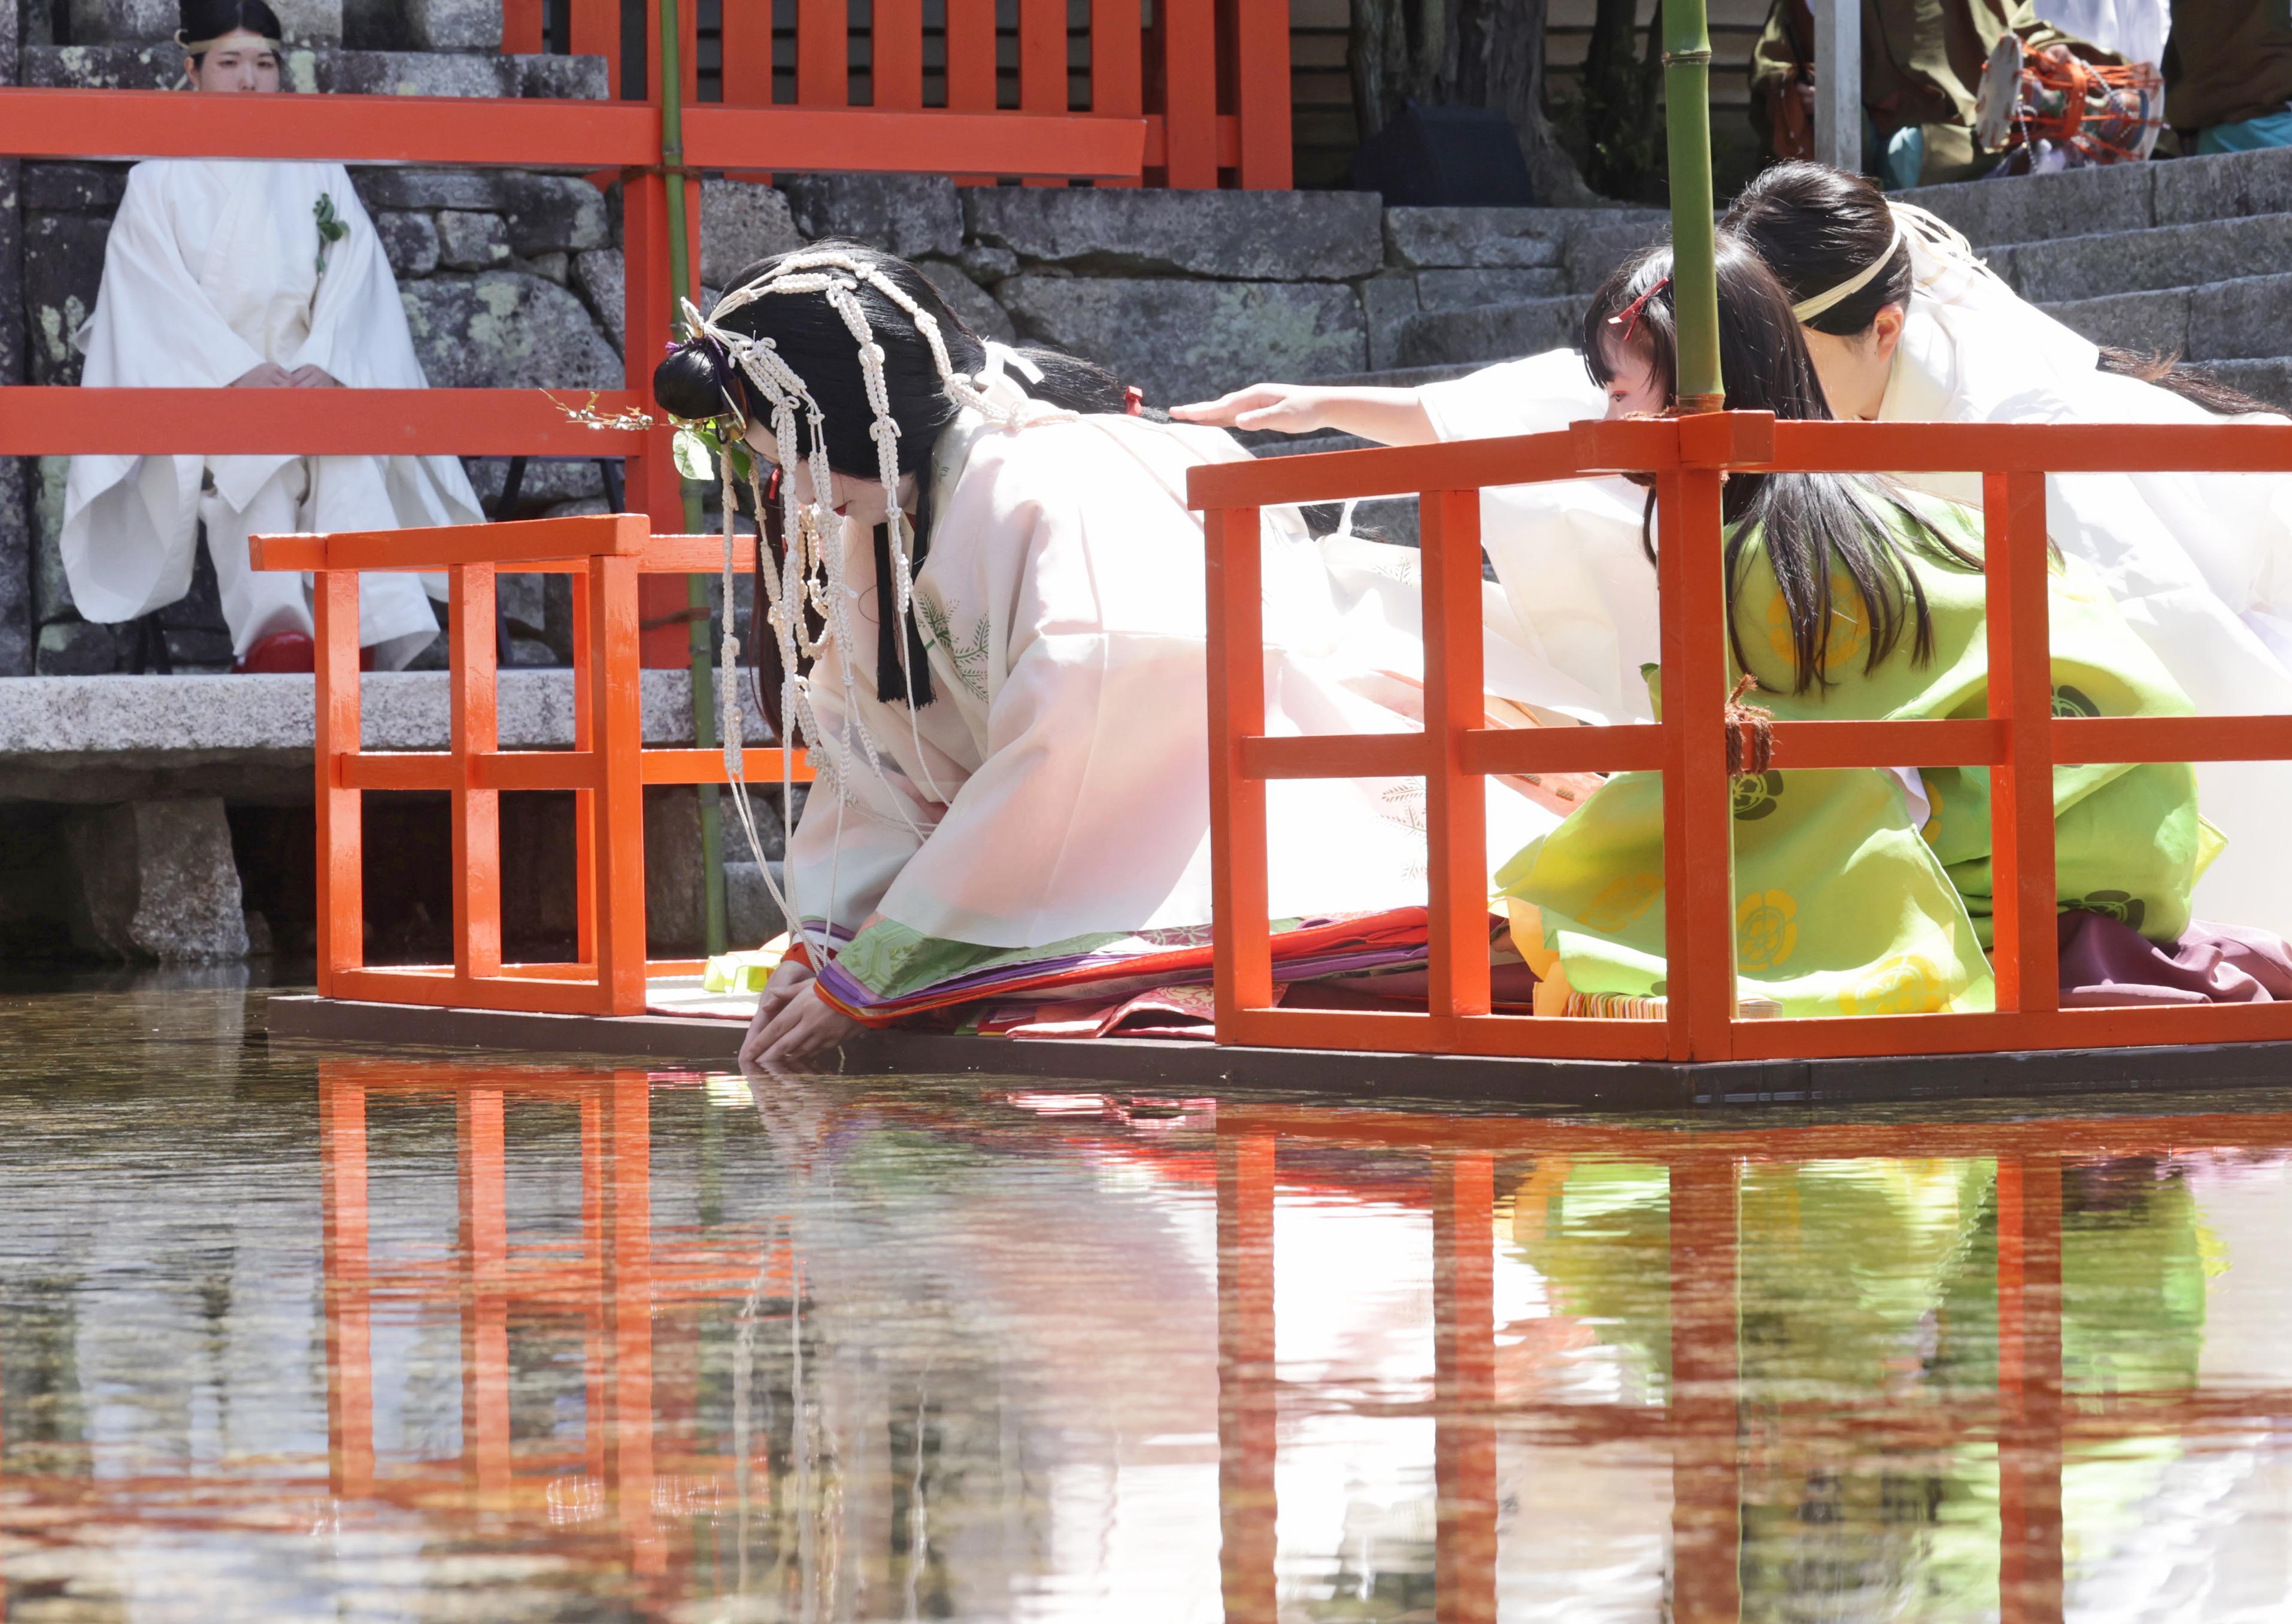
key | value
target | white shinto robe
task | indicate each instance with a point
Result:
(212, 268)
(1059, 785)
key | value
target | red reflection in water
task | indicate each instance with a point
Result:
(625, 1284)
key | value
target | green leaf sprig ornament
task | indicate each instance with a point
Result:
(332, 227)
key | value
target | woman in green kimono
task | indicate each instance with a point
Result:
(1858, 892)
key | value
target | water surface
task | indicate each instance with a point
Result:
(293, 1334)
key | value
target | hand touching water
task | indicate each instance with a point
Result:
(792, 1022)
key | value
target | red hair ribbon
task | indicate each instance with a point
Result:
(1628, 317)
(1134, 400)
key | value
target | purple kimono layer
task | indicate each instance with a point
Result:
(2105, 961)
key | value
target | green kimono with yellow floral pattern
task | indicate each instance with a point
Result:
(1843, 903)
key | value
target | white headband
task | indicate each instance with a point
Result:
(1807, 310)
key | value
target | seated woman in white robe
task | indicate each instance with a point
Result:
(1905, 324)
(997, 661)
(253, 275)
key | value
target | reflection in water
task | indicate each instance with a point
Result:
(289, 1335)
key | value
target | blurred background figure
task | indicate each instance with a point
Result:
(224, 273)
(1923, 64)
(2228, 74)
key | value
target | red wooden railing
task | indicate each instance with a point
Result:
(608, 766)
(1211, 77)
(2020, 741)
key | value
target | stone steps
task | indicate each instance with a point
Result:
(2123, 197)
(2244, 318)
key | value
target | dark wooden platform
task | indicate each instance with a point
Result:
(1203, 1067)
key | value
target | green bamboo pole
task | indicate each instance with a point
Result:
(1694, 283)
(680, 276)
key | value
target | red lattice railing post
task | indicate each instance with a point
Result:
(2024, 890)
(1456, 796)
(476, 810)
(341, 897)
(1244, 949)
(1698, 846)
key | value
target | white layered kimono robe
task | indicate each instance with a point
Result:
(1059, 785)
(2202, 564)
(212, 268)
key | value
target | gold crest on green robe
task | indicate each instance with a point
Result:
(1843, 904)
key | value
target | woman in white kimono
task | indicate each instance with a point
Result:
(1905, 325)
(997, 657)
(254, 275)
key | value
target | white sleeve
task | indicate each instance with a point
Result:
(154, 328)
(1532, 396)
(860, 823)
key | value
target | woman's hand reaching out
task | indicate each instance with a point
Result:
(1389, 416)
(1287, 409)
(792, 1022)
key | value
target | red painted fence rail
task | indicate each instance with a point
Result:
(2020, 741)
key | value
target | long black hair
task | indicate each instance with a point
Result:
(1814, 527)
(697, 380)
(204, 19)
(1817, 227)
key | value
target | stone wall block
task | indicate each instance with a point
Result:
(504, 329)
(554, 214)
(740, 223)
(306, 22)
(103, 67)
(376, 25)
(971, 302)
(1595, 250)
(1448, 290)
(2145, 321)
(50, 593)
(2251, 316)
(2227, 187)
(2139, 262)
(1281, 236)
(123, 21)
(2269, 380)
(547, 480)
(63, 266)
(751, 916)
(602, 279)
(1183, 341)
(73, 648)
(74, 189)
(453, 25)
(427, 188)
(158, 881)
(469, 241)
(561, 79)
(409, 241)
(1488, 333)
(676, 904)
(2038, 208)
(910, 215)
(412, 73)
(1473, 236)
(1387, 301)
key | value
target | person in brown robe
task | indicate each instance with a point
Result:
(2228, 74)
(1921, 65)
